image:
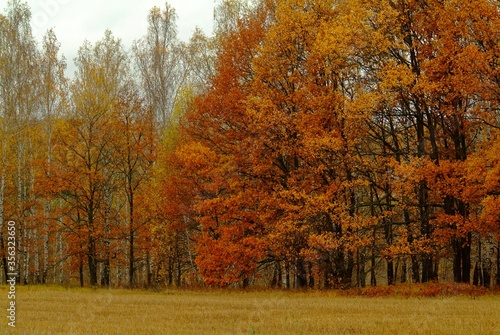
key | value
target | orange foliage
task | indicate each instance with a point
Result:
(330, 130)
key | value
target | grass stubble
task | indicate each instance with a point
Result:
(56, 310)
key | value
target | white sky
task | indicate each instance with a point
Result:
(76, 20)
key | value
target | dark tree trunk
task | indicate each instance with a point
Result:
(487, 275)
(312, 282)
(360, 269)
(373, 276)
(105, 279)
(131, 260)
(277, 276)
(349, 270)
(287, 275)
(466, 259)
(415, 269)
(149, 269)
(178, 281)
(80, 268)
(301, 275)
(92, 263)
(131, 233)
(427, 268)
(457, 260)
(461, 259)
(476, 277)
(4, 258)
(390, 272)
(403, 272)
(170, 270)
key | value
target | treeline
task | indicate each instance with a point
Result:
(346, 143)
(81, 157)
(318, 144)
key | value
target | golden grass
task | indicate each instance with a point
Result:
(54, 310)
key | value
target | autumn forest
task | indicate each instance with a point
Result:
(305, 144)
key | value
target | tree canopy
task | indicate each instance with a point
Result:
(322, 144)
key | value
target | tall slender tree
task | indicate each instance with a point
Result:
(86, 169)
(159, 58)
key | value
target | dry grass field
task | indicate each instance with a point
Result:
(55, 310)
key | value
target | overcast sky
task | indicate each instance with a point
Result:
(76, 20)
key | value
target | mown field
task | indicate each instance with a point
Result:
(56, 310)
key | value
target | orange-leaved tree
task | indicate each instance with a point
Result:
(84, 155)
(134, 152)
(229, 246)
